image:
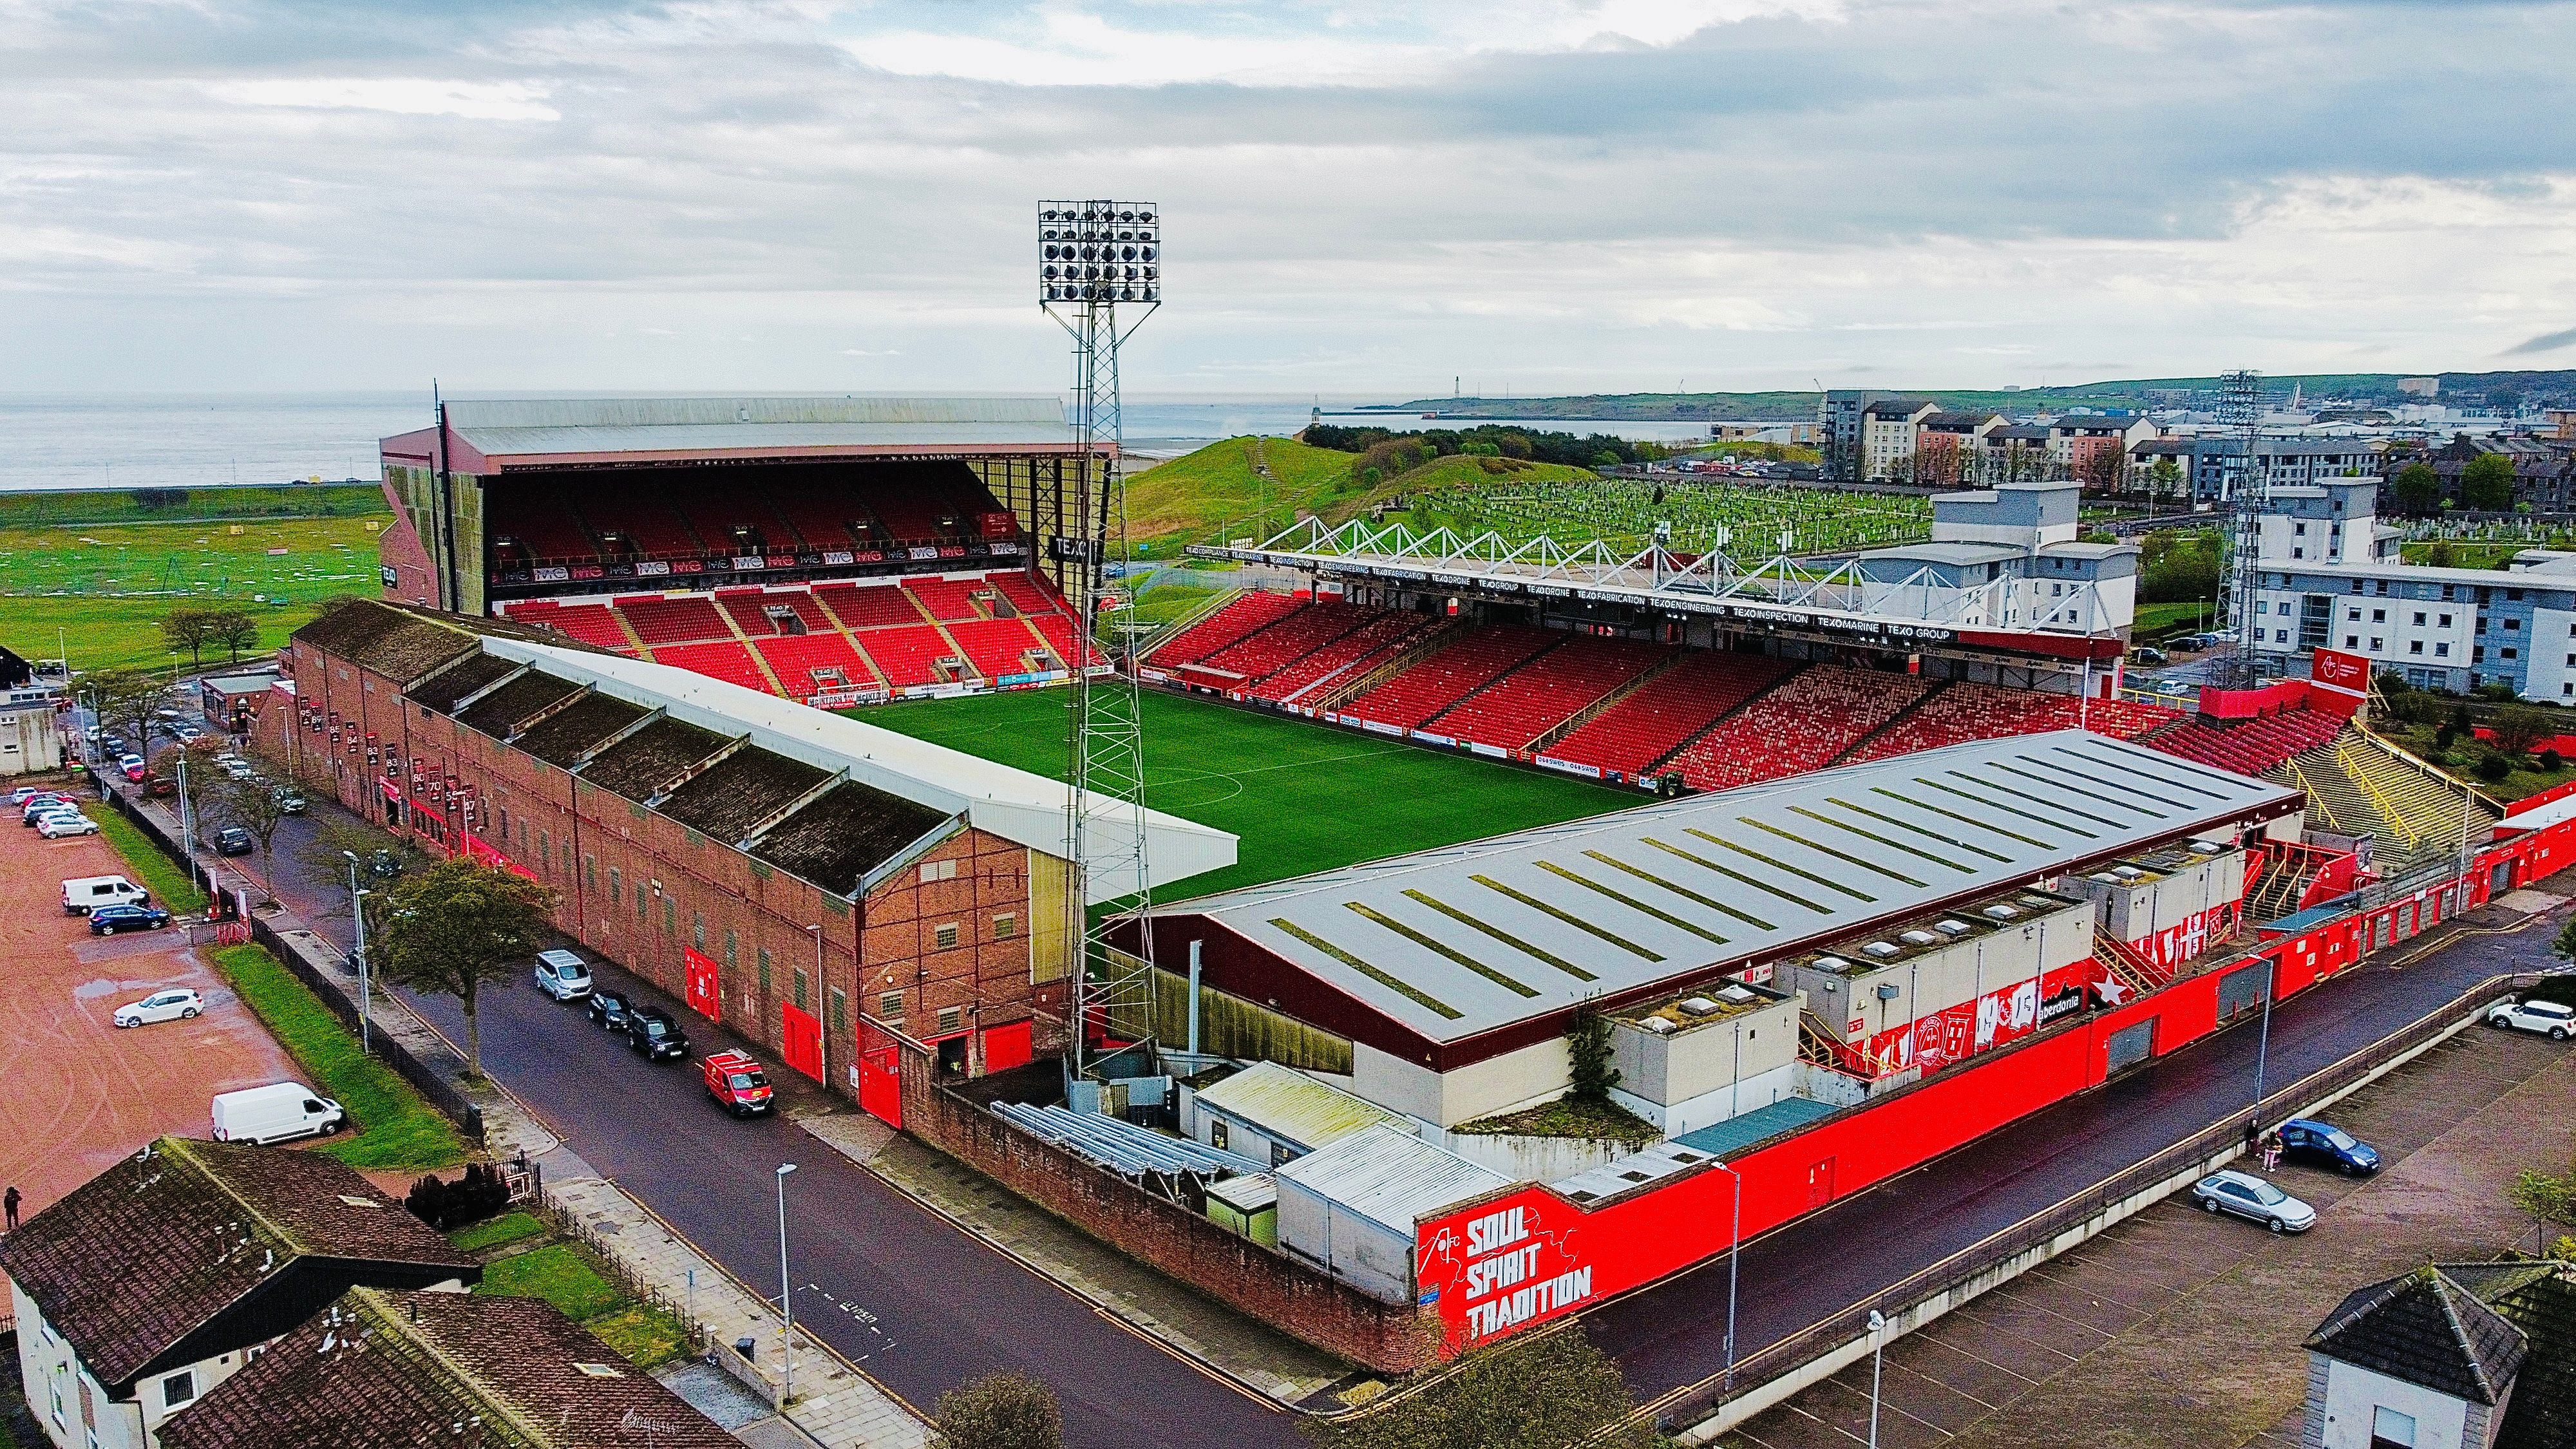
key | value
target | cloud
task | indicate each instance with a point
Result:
(401, 95)
(2545, 342)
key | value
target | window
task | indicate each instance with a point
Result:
(944, 935)
(2379, 616)
(890, 1005)
(545, 851)
(697, 930)
(2262, 606)
(2280, 636)
(2352, 641)
(938, 870)
(2352, 616)
(2419, 620)
(733, 952)
(2510, 653)
(2416, 646)
(616, 886)
(840, 1012)
(590, 874)
(2446, 623)
(803, 989)
(2441, 651)
(2512, 626)
(2299, 529)
(1216, 1133)
(179, 1389)
(764, 973)
(670, 915)
(951, 1018)
(2376, 643)
(2390, 1429)
(1006, 925)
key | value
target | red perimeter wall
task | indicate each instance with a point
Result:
(1527, 1255)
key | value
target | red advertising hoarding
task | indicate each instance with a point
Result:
(2342, 682)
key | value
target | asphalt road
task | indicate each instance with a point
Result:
(935, 1307)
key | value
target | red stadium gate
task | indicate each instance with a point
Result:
(800, 1040)
(703, 987)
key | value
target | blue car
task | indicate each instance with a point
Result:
(2326, 1145)
(108, 920)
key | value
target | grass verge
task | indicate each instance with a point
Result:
(397, 1128)
(153, 870)
(509, 1227)
(645, 1335)
(563, 1275)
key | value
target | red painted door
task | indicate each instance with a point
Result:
(1820, 1183)
(1006, 1047)
(703, 987)
(880, 1076)
(801, 1040)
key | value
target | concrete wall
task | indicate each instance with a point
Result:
(2353, 1394)
(53, 1373)
(1536, 1073)
(1530, 1159)
(1245, 1275)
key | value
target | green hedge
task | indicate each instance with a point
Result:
(397, 1128)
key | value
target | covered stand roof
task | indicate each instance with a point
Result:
(501, 434)
(1453, 943)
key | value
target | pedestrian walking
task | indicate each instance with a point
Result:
(2271, 1150)
(10, 1201)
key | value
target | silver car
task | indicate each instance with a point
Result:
(2250, 1197)
(562, 975)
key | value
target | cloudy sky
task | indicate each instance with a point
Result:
(1539, 195)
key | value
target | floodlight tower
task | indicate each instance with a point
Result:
(2240, 412)
(1094, 255)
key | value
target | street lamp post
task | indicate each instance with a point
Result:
(786, 1305)
(358, 913)
(2263, 1038)
(1734, 1250)
(1877, 1359)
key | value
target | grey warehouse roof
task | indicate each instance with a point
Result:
(1456, 942)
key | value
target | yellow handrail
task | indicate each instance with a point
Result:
(2314, 798)
(2434, 774)
(2379, 798)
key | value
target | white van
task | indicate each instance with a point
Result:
(82, 896)
(274, 1113)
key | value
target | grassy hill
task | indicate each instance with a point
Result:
(1215, 493)
(154, 505)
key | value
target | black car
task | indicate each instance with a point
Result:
(233, 840)
(654, 1035)
(108, 920)
(608, 1009)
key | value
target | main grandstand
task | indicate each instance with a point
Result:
(832, 550)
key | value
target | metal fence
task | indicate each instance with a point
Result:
(605, 1252)
(1707, 1397)
(441, 1093)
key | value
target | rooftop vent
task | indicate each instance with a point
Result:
(2001, 913)
(1659, 1025)
(1737, 995)
(1952, 928)
(1918, 938)
(2127, 872)
(2103, 876)
(2207, 847)
(1698, 1006)
(1881, 949)
(1832, 963)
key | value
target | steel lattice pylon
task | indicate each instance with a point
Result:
(2240, 411)
(1095, 255)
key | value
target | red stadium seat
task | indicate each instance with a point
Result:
(1803, 724)
(947, 600)
(1028, 594)
(1548, 691)
(752, 610)
(996, 647)
(659, 621)
(1448, 675)
(2254, 746)
(1347, 658)
(731, 663)
(908, 655)
(811, 663)
(542, 521)
(1241, 615)
(1631, 736)
(1292, 637)
(590, 623)
(1970, 711)
(1061, 635)
(869, 606)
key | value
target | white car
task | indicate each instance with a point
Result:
(2549, 1018)
(562, 975)
(55, 827)
(2248, 1196)
(176, 1004)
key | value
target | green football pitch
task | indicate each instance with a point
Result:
(1303, 796)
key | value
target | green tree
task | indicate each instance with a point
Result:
(1587, 1048)
(1001, 1411)
(458, 927)
(123, 700)
(2418, 489)
(2168, 479)
(2486, 484)
(2566, 945)
(189, 627)
(2520, 726)
(1542, 1391)
(2545, 1198)
(2441, 555)
(252, 805)
(232, 631)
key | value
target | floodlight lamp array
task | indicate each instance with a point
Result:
(1099, 251)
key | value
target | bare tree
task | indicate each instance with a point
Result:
(252, 805)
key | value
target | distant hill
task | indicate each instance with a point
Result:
(2529, 388)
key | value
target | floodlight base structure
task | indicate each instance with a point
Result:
(2240, 411)
(1113, 991)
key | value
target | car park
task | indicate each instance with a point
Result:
(176, 1003)
(738, 1084)
(40, 805)
(654, 1035)
(2147, 654)
(2326, 1145)
(233, 840)
(57, 827)
(237, 769)
(108, 920)
(2244, 1195)
(608, 1009)
(84, 894)
(24, 793)
(2552, 1019)
(562, 975)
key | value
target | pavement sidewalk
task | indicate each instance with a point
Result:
(836, 1405)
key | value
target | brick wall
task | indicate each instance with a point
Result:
(1253, 1279)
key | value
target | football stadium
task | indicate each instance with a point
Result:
(1841, 859)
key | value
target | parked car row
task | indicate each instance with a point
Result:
(53, 815)
(2237, 1193)
(734, 1080)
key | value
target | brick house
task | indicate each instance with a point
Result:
(785, 871)
(169, 1273)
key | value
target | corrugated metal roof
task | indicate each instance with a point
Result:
(1747, 1128)
(537, 427)
(1013, 804)
(1389, 1178)
(1459, 941)
(1249, 1193)
(1286, 1103)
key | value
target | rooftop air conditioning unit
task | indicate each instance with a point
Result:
(2104, 877)
(1832, 963)
(1698, 1006)
(1887, 991)
(2127, 872)
(2207, 847)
